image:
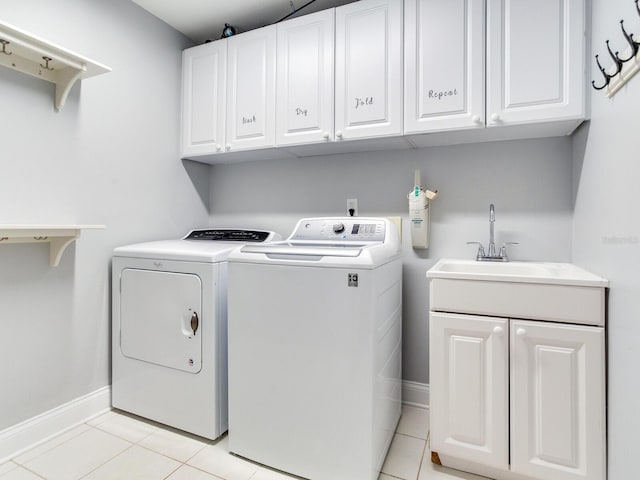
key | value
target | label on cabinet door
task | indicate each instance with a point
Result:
(366, 73)
(442, 87)
(249, 89)
(304, 75)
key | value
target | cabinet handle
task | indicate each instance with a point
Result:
(325, 135)
(228, 146)
(498, 330)
(521, 332)
(339, 134)
(218, 147)
(476, 119)
(495, 117)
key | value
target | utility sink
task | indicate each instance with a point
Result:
(531, 290)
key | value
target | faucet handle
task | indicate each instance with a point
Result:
(503, 249)
(480, 253)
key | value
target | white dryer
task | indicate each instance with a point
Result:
(169, 328)
(315, 348)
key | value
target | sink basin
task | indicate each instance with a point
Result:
(558, 292)
(521, 272)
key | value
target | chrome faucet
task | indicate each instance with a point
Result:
(492, 220)
(490, 255)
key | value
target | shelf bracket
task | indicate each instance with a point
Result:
(66, 79)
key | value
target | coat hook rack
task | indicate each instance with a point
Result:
(46, 63)
(623, 68)
(632, 43)
(4, 46)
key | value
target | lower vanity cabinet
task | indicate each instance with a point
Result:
(517, 399)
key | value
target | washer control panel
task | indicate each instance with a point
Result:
(230, 235)
(349, 229)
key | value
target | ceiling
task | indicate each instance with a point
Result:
(202, 20)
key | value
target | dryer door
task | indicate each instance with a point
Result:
(160, 318)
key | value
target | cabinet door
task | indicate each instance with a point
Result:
(468, 387)
(557, 401)
(444, 65)
(305, 76)
(369, 69)
(535, 61)
(203, 98)
(251, 89)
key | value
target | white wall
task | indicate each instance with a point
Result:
(606, 230)
(528, 181)
(109, 157)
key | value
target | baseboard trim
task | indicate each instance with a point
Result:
(22, 436)
(415, 394)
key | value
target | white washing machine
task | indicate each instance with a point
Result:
(315, 348)
(169, 328)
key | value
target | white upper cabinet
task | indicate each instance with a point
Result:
(444, 65)
(535, 61)
(251, 89)
(369, 69)
(557, 401)
(305, 75)
(204, 98)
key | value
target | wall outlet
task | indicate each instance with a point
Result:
(352, 207)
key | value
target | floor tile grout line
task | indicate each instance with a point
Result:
(422, 457)
(174, 470)
(107, 461)
(31, 471)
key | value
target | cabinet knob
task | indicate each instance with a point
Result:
(476, 119)
(228, 146)
(325, 135)
(339, 134)
(495, 117)
(218, 147)
(498, 330)
(521, 332)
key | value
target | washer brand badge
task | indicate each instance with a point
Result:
(352, 279)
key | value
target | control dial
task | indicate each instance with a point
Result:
(338, 227)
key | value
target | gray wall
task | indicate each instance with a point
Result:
(529, 182)
(606, 231)
(109, 157)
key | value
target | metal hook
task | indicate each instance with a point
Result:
(46, 61)
(632, 43)
(607, 77)
(615, 58)
(4, 46)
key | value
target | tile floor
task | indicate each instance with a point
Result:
(118, 446)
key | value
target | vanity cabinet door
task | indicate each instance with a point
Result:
(203, 98)
(305, 76)
(444, 65)
(369, 93)
(535, 61)
(557, 401)
(251, 89)
(468, 374)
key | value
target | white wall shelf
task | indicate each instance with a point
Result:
(34, 56)
(58, 236)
